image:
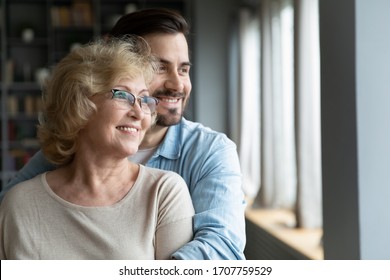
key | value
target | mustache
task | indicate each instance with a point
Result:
(168, 93)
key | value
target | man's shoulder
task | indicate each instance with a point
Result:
(189, 139)
(192, 129)
(196, 126)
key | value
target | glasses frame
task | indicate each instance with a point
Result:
(131, 98)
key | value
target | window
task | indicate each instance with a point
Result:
(278, 132)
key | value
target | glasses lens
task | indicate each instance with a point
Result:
(148, 104)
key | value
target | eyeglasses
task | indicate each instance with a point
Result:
(148, 104)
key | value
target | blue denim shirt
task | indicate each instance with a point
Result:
(208, 162)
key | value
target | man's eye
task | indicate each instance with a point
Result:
(161, 69)
(185, 70)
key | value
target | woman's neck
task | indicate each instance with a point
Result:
(92, 183)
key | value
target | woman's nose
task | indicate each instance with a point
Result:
(135, 110)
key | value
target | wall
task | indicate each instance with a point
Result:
(373, 100)
(210, 26)
(355, 66)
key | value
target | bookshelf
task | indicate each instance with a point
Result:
(34, 35)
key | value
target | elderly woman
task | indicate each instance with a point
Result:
(97, 204)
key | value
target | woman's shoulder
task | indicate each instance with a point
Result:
(166, 181)
(24, 191)
(172, 194)
(159, 173)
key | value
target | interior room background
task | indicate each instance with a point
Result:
(287, 80)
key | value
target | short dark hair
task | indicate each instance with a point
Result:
(149, 21)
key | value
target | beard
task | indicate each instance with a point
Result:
(170, 116)
(173, 117)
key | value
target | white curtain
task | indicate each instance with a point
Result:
(308, 114)
(249, 101)
(278, 168)
(280, 127)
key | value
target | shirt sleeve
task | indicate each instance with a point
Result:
(36, 165)
(218, 198)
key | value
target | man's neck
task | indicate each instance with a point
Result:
(153, 137)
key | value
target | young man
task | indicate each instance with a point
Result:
(207, 160)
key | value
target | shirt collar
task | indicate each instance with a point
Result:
(171, 146)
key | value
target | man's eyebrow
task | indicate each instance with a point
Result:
(164, 61)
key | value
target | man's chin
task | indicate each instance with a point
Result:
(166, 121)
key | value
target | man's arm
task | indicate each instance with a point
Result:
(219, 222)
(36, 165)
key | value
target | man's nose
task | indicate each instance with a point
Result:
(174, 82)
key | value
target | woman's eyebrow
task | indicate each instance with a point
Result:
(127, 89)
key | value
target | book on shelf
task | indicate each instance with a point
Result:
(31, 105)
(17, 158)
(21, 132)
(82, 14)
(9, 71)
(60, 16)
(12, 105)
(78, 14)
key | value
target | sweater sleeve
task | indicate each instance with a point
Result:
(174, 228)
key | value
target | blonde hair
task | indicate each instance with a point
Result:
(91, 69)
